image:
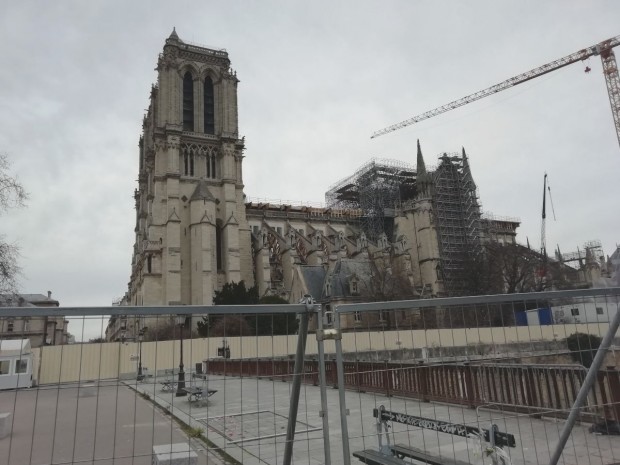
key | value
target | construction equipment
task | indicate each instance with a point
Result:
(543, 240)
(543, 225)
(610, 71)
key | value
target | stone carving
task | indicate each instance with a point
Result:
(275, 257)
(401, 244)
(362, 242)
(262, 237)
(292, 238)
(168, 59)
(302, 252)
(340, 241)
(383, 242)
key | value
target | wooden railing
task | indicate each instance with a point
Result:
(534, 389)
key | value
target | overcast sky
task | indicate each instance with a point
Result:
(317, 78)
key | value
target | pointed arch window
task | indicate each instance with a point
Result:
(188, 163)
(188, 102)
(209, 106)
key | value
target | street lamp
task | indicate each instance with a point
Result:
(140, 376)
(180, 321)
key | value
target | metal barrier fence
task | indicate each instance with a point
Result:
(436, 365)
(549, 390)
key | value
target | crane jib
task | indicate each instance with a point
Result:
(603, 49)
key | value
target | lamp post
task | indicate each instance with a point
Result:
(180, 321)
(140, 376)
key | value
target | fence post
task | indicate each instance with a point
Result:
(323, 386)
(296, 387)
(344, 427)
(585, 387)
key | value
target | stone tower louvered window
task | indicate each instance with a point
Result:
(188, 163)
(199, 160)
(209, 106)
(188, 102)
(211, 159)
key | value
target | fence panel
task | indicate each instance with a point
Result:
(460, 362)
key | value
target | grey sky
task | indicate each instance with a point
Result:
(317, 78)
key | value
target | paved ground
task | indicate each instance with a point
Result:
(244, 410)
(104, 425)
(113, 424)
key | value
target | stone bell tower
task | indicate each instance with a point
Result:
(191, 230)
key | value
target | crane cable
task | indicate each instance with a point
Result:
(551, 199)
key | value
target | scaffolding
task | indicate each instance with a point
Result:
(457, 213)
(578, 259)
(377, 189)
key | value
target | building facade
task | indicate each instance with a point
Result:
(191, 231)
(391, 230)
(52, 330)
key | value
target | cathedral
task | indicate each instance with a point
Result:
(391, 230)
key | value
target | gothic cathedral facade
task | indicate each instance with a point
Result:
(195, 231)
(191, 230)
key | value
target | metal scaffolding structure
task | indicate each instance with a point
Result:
(377, 188)
(592, 250)
(457, 213)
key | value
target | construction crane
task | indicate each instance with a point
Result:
(543, 238)
(543, 226)
(610, 71)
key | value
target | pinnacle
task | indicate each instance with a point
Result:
(421, 167)
(174, 34)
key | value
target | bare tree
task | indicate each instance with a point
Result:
(12, 195)
(517, 266)
(389, 279)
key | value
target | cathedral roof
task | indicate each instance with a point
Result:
(202, 192)
(344, 271)
(314, 276)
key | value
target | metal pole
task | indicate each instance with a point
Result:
(297, 374)
(323, 389)
(140, 376)
(181, 378)
(346, 453)
(585, 387)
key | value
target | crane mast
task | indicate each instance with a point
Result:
(543, 239)
(610, 71)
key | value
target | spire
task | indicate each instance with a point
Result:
(465, 161)
(421, 167)
(173, 35)
(466, 168)
(423, 179)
